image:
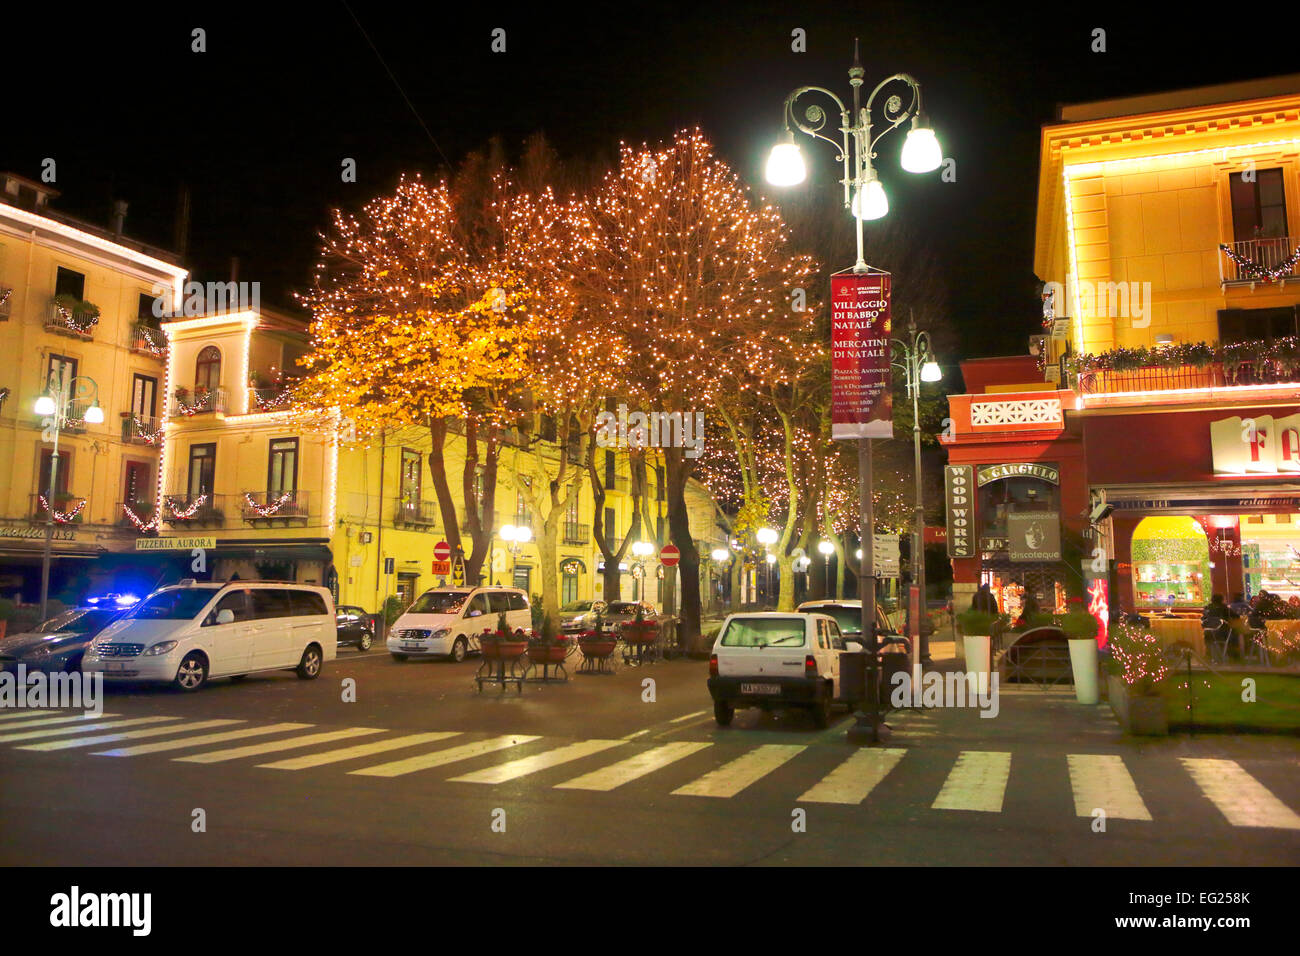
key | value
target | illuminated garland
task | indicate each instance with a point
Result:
(1281, 357)
(1254, 270)
(63, 517)
(146, 335)
(5, 293)
(149, 438)
(144, 527)
(1140, 656)
(265, 511)
(190, 511)
(65, 314)
(279, 400)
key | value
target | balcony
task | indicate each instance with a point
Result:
(575, 533)
(71, 317)
(75, 421)
(141, 431)
(6, 302)
(422, 515)
(270, 398)
(203, 511)
(271, 506)
(146, 340)
(1254, 260)
(185, 405)
(1221, 380)
(142, 508)
(68, 508)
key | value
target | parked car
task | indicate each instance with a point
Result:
(776, 660)
(848, 615)
(447, 622)
(188, 633)
(618, 613)
(354, 627)
(59, 643)
(579, 615)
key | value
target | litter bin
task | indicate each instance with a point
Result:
(853, 677)
(894, 657)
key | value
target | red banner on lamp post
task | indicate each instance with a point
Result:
(861, 401)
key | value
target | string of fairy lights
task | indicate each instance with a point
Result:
(1250, 269)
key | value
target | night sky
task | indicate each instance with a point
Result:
(258, 125)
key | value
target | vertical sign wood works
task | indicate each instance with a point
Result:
(861, 401)
(959, 494)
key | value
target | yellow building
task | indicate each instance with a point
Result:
(101, 335)
(270, 497)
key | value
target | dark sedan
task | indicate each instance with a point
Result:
(58, 644)
(355, 629)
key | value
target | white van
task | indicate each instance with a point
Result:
(447, 622)
(190, 632)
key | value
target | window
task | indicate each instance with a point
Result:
(610, 474)
(659, 483)
(67, 282)
(411, 472)
(207, 368)
(309, 603)
(137, 488)
(571, 511)
(203, 466)
(144, 396)
(518, 602)
(521, 509)
(500, 602)
(764, 632)
(60, 475)
(439, 602)
(569, 589)
(270, 602)
(282, 468)
(1252, 325)
(477, 606)
(236, 602)
(144, 311)
(59, 374)
(547, 428)
(1258, 206)
(610, 531)
(522, 577)
(178, 604)
(1006, 496)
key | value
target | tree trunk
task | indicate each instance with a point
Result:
(550, 576)
(438, 472)
(737, 568)
(678, 468)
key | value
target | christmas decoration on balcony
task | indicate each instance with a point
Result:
(142, 526)
(184, 514)
(63, 517)
(144, 434)
(1250, 269)
(79, 317)
(1242, 363)
(202, 401)
(267, 510)
(150, 340)
(5, 293)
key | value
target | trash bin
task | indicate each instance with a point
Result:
(894, 659)
(853, 676)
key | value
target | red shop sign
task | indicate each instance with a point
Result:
(861, 402)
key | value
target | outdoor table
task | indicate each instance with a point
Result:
(1179, 630)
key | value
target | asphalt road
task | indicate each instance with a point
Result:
(605, 770)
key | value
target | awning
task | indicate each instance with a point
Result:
(312, 550)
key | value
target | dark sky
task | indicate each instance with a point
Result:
(258, 125)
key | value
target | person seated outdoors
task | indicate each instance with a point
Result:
(1217, 617)
(1240, 607)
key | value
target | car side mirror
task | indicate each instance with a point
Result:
(853, 647)
(225, 616)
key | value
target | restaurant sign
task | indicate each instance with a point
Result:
(958, 494)
(1262, 445)
(1020, 469)
(1034, 536)
(36, 532)
(174, 544)
(861, 401)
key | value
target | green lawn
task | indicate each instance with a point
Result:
(1216, 702)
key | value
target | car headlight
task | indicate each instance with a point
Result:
(440, 633)
(161, 648)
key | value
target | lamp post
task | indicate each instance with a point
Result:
(640, 550)
(54, 406)
(826, 549)
(515, 537)
(864, 196)
(767, 537)
(916, 358)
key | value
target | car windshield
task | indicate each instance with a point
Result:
(79, 620)
(764, 632)
(622, 607)
(438, 602)
(577, 606)
(848, 618)
(179, 604)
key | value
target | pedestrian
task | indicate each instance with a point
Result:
(1027, 612)
(984, 600)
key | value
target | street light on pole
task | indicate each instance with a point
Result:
(826, 548)
(916, 359)
(641, 550)
(515, 537)
(767, 537)
(864, 196)
(55, 406)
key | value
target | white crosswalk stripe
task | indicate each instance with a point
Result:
(978, 781)
(731, 778)
(1240, 797)
(854, 779)
(34, 721)
(360, 750)
(625, 771)
(1101, 781)
(80, 728)
(47, 716)
(293, 743)
(440, 757)
(543, 761)
(128, 735)
(202, 740)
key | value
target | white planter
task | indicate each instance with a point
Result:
(1083, 664)
(979, 653)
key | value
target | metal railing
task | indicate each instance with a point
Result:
(147, 340)
(273, 505)
(198, 402)
(182, 511)
(75, 420)
(575, 533)
(64, 322)
(73, 507)
(140, 431)
(415, 514)
(6, 301)
(1266, 254)
(142, 508)
(270, 398)
(1161, 378)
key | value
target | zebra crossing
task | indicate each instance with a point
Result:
(976, 782)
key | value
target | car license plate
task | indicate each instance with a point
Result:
(118, 666)
(412, 647)
(760, 688)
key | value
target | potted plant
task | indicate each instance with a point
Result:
(1081, 630)
(639, 630)
(977, 629)
(548, 649)
(503, 644)
(597, 642)
(1137, 668)
(182, 394)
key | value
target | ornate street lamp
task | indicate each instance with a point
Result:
(515, 537)
(640, 550)
(916, 358)
(864, 197)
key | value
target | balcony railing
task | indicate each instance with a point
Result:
(575, 533)
(270, 398)
(415, 514)
(142, 508)
(75, 420)
(68, 508)
(1162, 379)
(65, 321)
(141, 431)
(201, 511)
(271, 506)
(1260, 256)
(146, 340)
(198, 402)
(6, 301)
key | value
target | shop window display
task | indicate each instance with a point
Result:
(1270, 553)
(1171, 563)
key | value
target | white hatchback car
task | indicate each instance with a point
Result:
(447, 622)
(188, 633)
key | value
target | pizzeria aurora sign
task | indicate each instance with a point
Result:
(1022, 469)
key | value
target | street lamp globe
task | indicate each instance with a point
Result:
(785, 165)
(930, 371)
(825, 547)
(771, 559)
(921, 150)
(870, 201)
(766, 536)
(721, 554)
(95, 415)
(508, 532)
(859, 554)
(45, 405)
(642, 549)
